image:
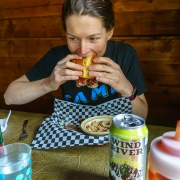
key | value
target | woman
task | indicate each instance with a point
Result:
(89, 26)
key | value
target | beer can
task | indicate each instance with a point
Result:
(128, 139)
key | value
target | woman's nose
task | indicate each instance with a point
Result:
(83, 49)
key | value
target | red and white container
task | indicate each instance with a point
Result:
(164, 156)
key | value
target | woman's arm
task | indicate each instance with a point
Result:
(139, 106)
(110, 73)
(22, 91)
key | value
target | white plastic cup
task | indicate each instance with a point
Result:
(161, 164)
(16, 161)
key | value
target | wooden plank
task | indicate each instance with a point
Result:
(34, 48)
(157, 50)
(32, 27)
(161, 68)
(163, 116)
(135, 24)
(43, 105)
(33, 11)
(147, 23)
(5, 81)
(119, 5)
(162, 80)
(162, 89)
(14, 62)
(145, 5)
(13, 4)
(4, 24)
(163, 108)
(15, 67)
(163, 100)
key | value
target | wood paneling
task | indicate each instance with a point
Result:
(163, 49)
(34, 48)
(28, 29)
(35, 11)
(145, 5)
(155, 23)
(15, 4)
(133, 18)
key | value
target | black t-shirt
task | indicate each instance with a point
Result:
(121, 53)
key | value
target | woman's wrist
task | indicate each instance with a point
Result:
(133, 94)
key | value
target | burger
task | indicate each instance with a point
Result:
(85, 79)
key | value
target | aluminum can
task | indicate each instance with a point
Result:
(128, 139)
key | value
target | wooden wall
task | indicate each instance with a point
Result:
(29, 28)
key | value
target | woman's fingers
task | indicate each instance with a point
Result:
(66, 67)
(69, 58)
(67, 72)
(106, 61)
(110, 73)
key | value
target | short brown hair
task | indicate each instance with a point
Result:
(96, 8)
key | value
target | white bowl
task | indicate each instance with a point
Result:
(88, 121)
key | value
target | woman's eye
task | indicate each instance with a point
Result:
(73, 39)
(93, 39)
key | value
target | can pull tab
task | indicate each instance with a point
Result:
(128, 120)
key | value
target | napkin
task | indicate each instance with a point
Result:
(52, 135)
(3, 122)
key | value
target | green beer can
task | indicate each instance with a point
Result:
(128, 139)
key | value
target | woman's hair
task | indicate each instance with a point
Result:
(97, 8)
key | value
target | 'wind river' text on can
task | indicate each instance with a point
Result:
(128, 138)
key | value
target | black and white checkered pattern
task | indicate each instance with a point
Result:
(52, 135)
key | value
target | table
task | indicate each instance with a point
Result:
(71, 163)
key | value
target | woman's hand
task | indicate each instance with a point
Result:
(110, 73)
(64, 70)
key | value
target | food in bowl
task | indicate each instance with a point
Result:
(98, 126)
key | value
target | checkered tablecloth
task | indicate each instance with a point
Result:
(52, 135)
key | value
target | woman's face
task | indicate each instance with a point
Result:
(86, 35)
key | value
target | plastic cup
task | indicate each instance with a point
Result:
(164, 156)
(16, 162)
